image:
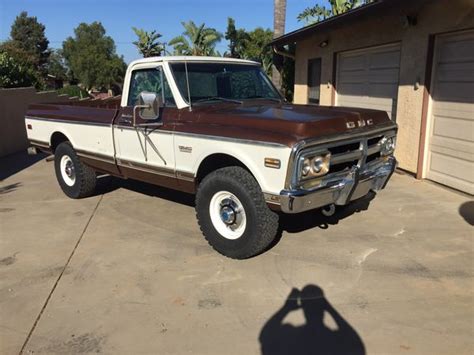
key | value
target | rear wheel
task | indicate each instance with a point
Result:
(76, 179)
(233, 214)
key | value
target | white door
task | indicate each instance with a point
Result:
(450, 158)
(146, 149)
(368, 78)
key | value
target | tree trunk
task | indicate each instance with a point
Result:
(279, 17)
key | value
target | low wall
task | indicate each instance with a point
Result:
(13, 106)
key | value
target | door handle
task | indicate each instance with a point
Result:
(125, 119)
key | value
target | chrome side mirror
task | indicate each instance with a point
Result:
(148, 107)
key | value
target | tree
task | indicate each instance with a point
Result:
(279, 18)
(15, 74)
(91, 57)
(236, 38)
(148, 44)
(56, 65)
(25, 52)
(319, 13)
(27, 35)
(251, 45)
(196, 40)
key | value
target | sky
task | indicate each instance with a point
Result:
(119, 16)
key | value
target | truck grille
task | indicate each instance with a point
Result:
(345, 155)
(361, 152)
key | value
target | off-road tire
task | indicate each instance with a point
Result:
(85, 177)
(261, 223)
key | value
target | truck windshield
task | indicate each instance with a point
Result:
(227, 82)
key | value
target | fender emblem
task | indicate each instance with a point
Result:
(184, 149)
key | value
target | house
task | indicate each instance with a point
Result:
(413, 59)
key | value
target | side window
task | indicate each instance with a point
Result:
(151, 80)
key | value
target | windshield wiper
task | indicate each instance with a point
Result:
(214, 98)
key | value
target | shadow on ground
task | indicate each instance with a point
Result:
(108, 184)
(314, 336)
(291, 223)
(466, 210)
(295, 223)
(14, 163)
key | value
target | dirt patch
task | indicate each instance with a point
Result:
(84, 343)
(209, 303)
(8, 260)
(6, 210)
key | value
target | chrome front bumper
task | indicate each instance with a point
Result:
(340, 189)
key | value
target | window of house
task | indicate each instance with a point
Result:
(314, 80)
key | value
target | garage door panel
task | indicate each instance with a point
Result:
(455, 128)
(368, 78)
(453, 147)
(456, 72)
(388, 76)
(353, 62)
(451, 142)
(385, 59)
(353, 78)
(453, 182)
(455, 109)
(384, 90)
(454, 91)
(455, 168)
(457, 48)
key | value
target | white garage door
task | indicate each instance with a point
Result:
(451, 131)
(368, 78)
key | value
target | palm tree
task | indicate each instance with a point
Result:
(279, 17)
(196, 40)
(148, 44)
(319, 13)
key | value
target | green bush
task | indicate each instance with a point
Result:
(15, 74)
(73, 90)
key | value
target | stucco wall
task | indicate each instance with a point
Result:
(13, 105)
(437, 17)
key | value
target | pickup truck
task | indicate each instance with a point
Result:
(219, 129)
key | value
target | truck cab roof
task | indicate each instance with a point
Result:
(191, 59)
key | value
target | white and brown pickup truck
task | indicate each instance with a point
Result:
(218, 128)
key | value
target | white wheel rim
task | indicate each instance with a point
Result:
(228, 215)
(68, 171)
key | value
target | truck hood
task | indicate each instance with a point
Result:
(286, 123)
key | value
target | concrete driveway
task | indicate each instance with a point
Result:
(128, 272)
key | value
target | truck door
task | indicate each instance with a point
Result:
(146, 152)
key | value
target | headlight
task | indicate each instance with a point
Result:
(315, 165)
(387, 146)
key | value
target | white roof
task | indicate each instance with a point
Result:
(191, 59)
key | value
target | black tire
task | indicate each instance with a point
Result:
(261, 223)
(85, 177)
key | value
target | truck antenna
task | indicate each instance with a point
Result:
(187, 83)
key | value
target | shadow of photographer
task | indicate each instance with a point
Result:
(314, 337)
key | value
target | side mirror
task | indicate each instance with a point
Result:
(149, 106)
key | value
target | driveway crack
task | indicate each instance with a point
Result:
(60, 276)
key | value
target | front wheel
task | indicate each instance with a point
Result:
(233, 214)
(76, 179)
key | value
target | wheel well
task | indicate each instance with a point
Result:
(56, 139)
(217, 161)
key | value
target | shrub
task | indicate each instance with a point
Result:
(73, 90)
